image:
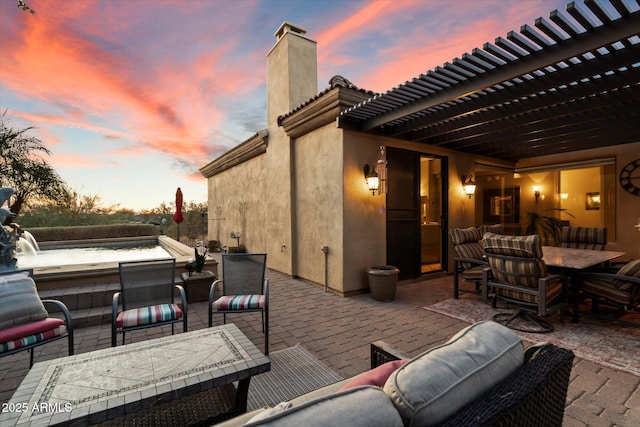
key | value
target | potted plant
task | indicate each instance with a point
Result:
(196, 280)
(548, 227)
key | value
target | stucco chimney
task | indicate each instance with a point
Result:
(292, 71)
(291, 81)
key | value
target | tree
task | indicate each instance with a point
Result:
(23, 169)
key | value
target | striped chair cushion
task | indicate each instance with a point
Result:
(496, 228)
(469, 250)
(474, 273)
(604, 288)
(27, 329)
(239, 302)
(631, 269)
(148, 315)
(34, 338)
(554, 290)
(519, 271)
(464, 235)
(466, 243)
(518, 246)
(594, 238)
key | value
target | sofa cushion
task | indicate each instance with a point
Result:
(434, 385)
(377, 376)
(20, 301)
(356, 407)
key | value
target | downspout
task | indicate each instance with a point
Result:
(325, 251)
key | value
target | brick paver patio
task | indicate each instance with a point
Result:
(339, 330)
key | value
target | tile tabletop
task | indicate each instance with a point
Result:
(125, 379)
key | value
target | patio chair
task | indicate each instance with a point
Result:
(617, 287)
(244, 289)
(594, 238)
(469, 261)
(147, 289)
(24, 322)
(518, 275)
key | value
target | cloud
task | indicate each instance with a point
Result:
(76, 58)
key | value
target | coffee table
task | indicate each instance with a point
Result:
(121, 381)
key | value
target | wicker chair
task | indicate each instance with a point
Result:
(617, 287)
(518, 275)
(147, 289)
(244, 289)
(24, 322)
(594, 238)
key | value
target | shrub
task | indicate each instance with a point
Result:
(50, 234)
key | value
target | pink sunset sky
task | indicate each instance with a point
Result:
(134, 96)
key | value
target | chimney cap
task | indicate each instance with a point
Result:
(289, 27)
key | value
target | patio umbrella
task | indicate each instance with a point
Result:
(177, 217)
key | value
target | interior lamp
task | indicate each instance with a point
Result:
(469, 185)
(371, 177)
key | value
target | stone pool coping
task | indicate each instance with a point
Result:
(66, 276)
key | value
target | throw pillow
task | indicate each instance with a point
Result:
(375, 377)
(20, 301)
(356, 407)
(434, 385)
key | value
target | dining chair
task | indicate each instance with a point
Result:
(613, 286)
(517, 275)
(594, 238)
(147, 293)
(24, 321)
(244, 289)
(469, 261)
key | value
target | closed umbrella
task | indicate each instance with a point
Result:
(177, 217)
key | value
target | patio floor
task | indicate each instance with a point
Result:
(338, 331)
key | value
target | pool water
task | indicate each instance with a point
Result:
(91, 255)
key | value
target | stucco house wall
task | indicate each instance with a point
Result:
(236, 202)
(299, 185)
(318, 195)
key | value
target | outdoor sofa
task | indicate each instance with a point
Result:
(482, 376)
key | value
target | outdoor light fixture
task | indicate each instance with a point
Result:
(536, 192)
(371, 176)
(376, 175)
(469, 185)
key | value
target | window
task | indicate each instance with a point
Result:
(580, 194)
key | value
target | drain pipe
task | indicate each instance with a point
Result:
(325, 251)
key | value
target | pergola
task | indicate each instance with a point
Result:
(571, 83)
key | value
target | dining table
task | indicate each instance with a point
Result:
(570, 261)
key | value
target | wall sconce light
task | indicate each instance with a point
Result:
(371, 176)
(536, 192)
(469, 185)
(376, 175)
